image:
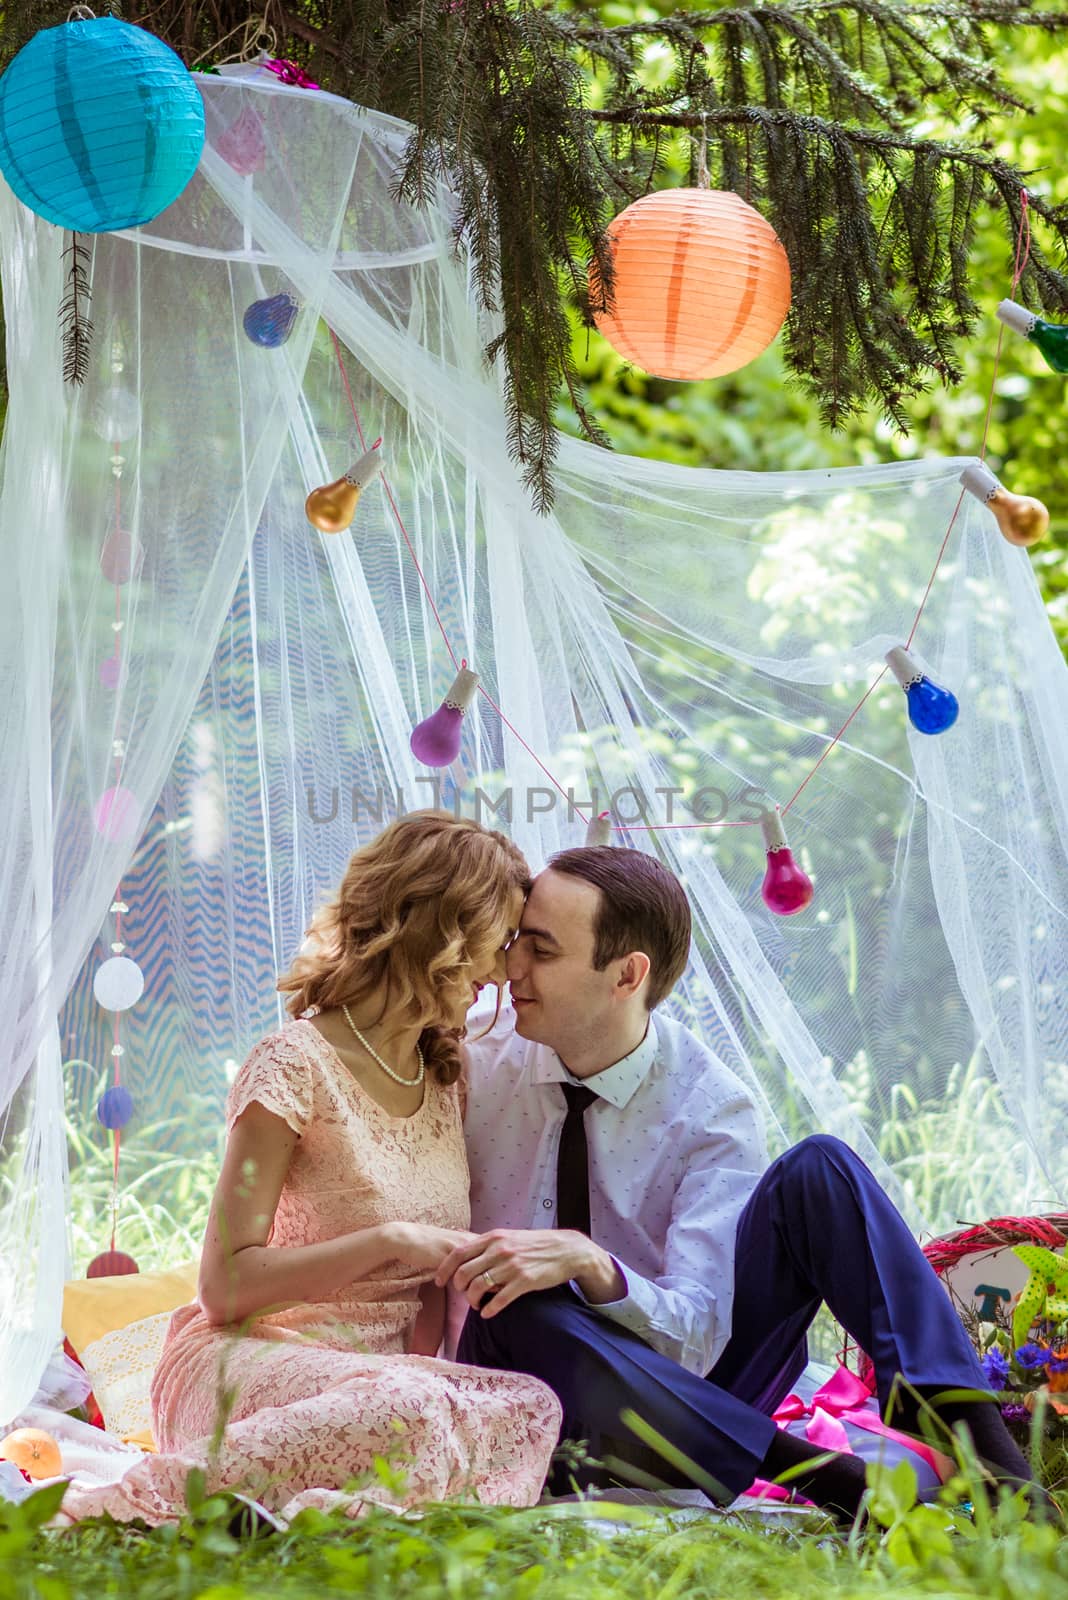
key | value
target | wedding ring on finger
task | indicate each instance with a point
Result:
(489, 1279)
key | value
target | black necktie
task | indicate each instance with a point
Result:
(572, 1163)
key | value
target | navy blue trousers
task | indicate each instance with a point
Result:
(817, 1228)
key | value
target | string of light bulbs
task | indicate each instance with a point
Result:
(932, 709)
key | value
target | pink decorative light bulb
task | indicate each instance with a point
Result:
(786, 888)
(115, 814)
(121, 557)
(436, 741)
(110, 672)
(243, 144)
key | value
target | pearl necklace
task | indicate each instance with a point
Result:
(409, 1083)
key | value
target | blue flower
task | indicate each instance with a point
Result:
(1058, 1363)
(995, 1367)
(1031, 1356)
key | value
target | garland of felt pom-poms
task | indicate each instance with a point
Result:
(119, 982)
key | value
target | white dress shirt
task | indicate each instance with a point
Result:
(676, 1146)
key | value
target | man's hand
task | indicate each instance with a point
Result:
(497, 1267)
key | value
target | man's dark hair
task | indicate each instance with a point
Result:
(642, 907)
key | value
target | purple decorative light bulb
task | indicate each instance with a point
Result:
(436, 740)
(269, 323)
(115, 1107)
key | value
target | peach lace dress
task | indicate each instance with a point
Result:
(318, 1392)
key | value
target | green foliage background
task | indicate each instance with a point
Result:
(936, 1134)
(758, 419)
(547, 116)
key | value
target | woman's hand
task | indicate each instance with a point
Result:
(420, 1245)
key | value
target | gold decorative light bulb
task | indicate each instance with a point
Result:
(1022, 519)
(332, 508)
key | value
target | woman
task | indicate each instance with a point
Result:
(344, 1185)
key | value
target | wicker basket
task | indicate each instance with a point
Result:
(987, 1242)
(1000, 1233)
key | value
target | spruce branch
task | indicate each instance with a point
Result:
(73, 315)
(543, 122)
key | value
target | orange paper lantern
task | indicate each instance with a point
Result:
(35, 1451)
(701, 283)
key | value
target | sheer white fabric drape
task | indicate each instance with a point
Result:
(665, 630)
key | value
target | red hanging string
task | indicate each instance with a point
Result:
(1023, 242)
(116, 1030)
(392, 502)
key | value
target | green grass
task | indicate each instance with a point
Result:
(551, 1553)
(556, 1552)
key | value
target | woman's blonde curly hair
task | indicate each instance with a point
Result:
(418, 907)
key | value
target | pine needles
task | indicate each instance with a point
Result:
(547, 122)
(73, 312)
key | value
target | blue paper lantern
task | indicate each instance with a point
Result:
(101, 125)
(270, 322)
(115, 1107)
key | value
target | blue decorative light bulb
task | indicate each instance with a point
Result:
(931, 709)
(269, 323)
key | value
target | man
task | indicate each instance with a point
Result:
(635, 1254)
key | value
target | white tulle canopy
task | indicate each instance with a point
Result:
(678, 645)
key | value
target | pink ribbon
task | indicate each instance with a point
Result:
(843, 1398)
(290, 73)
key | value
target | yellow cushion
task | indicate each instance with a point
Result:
(120, 1365)
(145, 1438)
(95, 1306)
